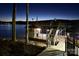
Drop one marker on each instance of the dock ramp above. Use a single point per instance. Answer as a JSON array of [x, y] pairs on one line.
[[53, 50]]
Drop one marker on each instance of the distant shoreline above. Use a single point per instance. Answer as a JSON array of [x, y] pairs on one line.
[[43, 21]]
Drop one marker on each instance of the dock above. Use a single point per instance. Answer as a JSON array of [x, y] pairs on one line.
[[53, 50]]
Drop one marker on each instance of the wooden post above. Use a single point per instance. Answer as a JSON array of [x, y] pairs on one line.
[[14, 23], [27, 24]]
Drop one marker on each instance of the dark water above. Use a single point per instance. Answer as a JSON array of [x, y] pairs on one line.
[[6, 31]]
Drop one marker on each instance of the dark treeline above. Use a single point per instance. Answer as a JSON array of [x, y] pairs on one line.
[[44, 21]]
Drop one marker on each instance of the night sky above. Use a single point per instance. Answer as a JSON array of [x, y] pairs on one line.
[[42, 11]]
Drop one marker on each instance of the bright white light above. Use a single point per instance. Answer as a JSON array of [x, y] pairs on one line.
[[47, 29], [38, 29], [68, 34]]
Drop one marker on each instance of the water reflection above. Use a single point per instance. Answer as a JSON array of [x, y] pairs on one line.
[[6, 31]]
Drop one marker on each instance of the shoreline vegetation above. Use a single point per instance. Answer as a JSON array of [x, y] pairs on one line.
[[9, 48], [24, 22]]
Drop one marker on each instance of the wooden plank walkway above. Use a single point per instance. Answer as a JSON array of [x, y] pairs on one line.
[[53, 50]]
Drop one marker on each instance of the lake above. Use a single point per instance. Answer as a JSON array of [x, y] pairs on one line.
[[6, 31]]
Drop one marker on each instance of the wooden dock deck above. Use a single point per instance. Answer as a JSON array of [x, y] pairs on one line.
[[53, 50]]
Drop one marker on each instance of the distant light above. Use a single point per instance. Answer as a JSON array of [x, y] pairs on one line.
[[47, 29], [68, 34], [38, 29]]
